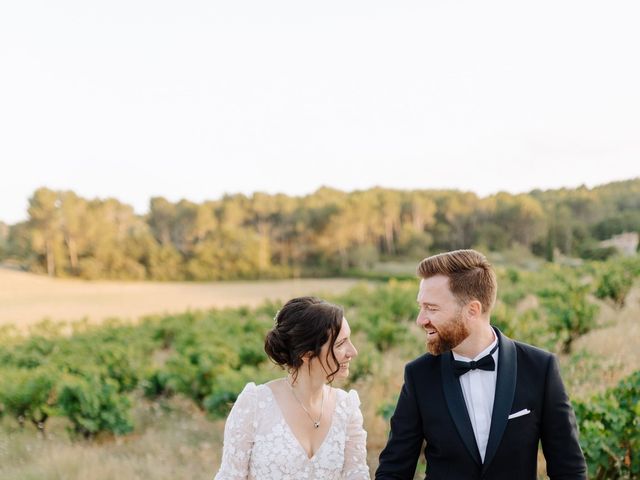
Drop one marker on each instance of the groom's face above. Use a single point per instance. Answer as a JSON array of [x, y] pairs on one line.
[[440, 315]]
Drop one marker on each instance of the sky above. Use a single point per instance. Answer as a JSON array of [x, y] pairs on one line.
[[194, 99]]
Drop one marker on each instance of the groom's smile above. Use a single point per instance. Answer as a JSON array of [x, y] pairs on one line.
[[440, 315]]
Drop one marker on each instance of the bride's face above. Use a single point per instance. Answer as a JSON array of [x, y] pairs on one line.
[[343, 350]]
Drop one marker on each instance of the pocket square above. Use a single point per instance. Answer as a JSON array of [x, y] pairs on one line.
[[525, 411]]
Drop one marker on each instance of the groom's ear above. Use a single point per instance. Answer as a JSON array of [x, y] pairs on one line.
[[474, 309]]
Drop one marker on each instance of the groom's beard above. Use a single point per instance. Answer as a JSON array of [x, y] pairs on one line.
[[448, 336]]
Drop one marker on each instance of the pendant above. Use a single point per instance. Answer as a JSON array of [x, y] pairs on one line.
[[316, 424]]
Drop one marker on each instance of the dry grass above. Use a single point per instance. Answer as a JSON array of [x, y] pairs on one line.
[[180, 443], [26, 299], [604, 356]]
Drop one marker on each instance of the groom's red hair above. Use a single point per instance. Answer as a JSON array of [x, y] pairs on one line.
[[471, 276]]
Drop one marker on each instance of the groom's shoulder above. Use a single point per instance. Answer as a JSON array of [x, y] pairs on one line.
[[531, 350], [531, 354], [426, 361], [523, 349]]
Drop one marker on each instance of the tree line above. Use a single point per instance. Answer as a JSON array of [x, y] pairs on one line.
[[328, 232]]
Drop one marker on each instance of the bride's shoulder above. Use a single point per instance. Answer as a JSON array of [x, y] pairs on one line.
[[251, 391], [253, 395], [249, 388], [350, 398], [247, 393]]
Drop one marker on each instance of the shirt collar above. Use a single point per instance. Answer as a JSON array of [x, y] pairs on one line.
[[482, 353]]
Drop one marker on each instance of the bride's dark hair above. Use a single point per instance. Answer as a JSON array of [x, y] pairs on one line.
[[303, 326]]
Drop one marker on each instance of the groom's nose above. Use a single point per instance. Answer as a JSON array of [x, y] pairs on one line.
[[421, 319]]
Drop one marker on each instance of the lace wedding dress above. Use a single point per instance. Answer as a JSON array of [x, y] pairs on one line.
[[258, 443]]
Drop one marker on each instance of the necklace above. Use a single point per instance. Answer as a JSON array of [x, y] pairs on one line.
[[316, 423]]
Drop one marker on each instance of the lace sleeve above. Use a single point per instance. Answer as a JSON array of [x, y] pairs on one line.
[[239, 432], [355, 454]]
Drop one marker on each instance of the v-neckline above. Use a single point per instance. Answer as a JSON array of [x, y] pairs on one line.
[[293, 435]]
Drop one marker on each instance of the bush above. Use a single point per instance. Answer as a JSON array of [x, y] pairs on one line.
[[594, 252], [383, 313], [610, 431], [615, 283], [569, 312], [28, 394], [210, 356], [94, 405]]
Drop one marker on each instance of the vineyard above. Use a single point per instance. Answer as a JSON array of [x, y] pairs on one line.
[[92, 384]]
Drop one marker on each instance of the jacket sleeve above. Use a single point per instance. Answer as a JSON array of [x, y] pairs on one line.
[[559, 434], [399, 458]]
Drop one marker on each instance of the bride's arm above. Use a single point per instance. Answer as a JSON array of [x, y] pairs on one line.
[[355, 449], [239, 432]]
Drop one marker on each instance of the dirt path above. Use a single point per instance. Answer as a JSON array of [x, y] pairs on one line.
[[26, 298]]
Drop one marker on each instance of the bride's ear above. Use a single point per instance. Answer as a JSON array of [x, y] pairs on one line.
[[306, 358]]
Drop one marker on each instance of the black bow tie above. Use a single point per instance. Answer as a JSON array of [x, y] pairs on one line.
[[485, 363]]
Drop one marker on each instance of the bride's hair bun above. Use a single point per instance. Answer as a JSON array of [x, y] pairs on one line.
[[303, 326], [276, 348]]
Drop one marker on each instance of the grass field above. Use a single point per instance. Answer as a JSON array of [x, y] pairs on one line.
[[174, 439], [26, 299]]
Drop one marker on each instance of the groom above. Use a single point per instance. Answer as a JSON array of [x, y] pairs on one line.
[[480, 400]]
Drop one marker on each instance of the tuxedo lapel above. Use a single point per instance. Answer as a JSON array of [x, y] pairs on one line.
[[457, 407], [505, 392]]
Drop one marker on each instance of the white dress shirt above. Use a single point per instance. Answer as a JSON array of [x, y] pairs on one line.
[[479, 390]]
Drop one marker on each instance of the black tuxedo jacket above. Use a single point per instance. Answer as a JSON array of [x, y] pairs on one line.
[[431, 407]]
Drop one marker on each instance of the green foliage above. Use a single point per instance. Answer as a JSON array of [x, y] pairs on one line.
[[27, 394], [205, 356], [118, 367], [94, 405], [32, 353], [326, 233], [511, 289], [384, 313], [524, 325], [368, 361], [592, 251], [610, 431], [165, 263], [615, 283], [104, 360], [226, 255], [569, 311], [386, 409], [628, 221], [194, 371], [632, 265], [208, 356], [155, 383], [205, 352]]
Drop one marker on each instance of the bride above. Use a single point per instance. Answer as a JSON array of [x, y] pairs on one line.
[[299, 426]]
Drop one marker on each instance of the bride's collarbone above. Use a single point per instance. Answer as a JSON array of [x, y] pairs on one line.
[[299, 422]]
